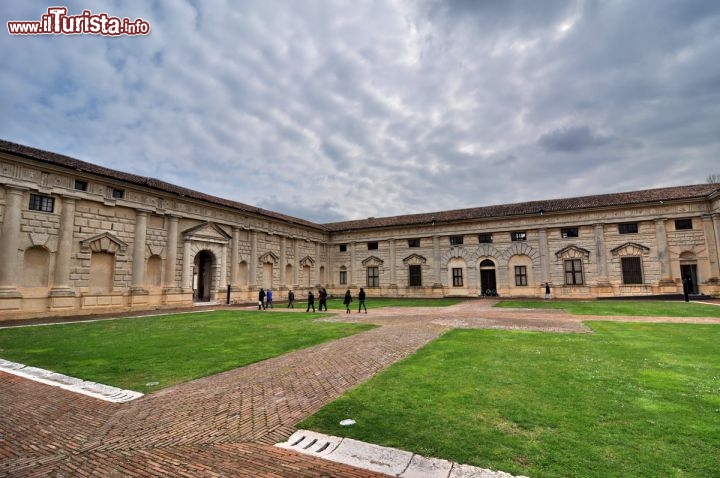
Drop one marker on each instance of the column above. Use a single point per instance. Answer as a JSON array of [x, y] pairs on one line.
[[602, 266], [222, 283], [187, 268], [663, 256], [296, 261], [711, 242], [317, 262], [10, 241], [171, 252], [234, 256], [252, 279], [544, 256], [393, 280], [436, 260], [332, 274], [716, 227], [351, 270], [61, 278], [138, 261]]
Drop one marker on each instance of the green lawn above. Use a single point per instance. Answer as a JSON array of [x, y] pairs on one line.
[[630, 400], [129, 353], [336, 303], [650, 308]]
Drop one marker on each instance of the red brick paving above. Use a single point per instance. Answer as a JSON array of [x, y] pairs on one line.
[[225, 425]]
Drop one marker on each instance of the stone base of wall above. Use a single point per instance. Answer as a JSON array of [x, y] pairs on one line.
[[26, 304], [710, 289]]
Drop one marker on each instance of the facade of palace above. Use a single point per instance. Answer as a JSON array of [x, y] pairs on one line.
[[77, 238]]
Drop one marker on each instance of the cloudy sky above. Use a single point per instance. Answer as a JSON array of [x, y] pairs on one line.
[[333, 110]]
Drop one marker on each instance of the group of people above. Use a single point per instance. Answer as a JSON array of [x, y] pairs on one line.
[[322, 298], [265, 300], [361, 301]]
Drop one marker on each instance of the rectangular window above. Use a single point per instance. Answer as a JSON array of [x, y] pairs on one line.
[[681, 224], [343, 277], [372, 246], [628, 228], [41, 203], [569, 232], [415, 275], [485, 238], [518, 236], [343, 247], [81, 185], [118, 193], [573, 272], [457, 277], [520, 275], [631, 270], [373, 277], [413, 242], [456, 240]]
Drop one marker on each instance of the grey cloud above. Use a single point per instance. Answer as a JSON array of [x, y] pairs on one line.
[[361, 109], [571, 139]]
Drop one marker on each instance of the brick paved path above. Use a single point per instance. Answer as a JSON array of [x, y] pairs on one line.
[[225, 425], [222, 425]]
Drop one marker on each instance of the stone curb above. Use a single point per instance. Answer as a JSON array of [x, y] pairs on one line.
[[389, 461], [72, 384]]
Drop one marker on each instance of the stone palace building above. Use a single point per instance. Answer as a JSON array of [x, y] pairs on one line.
[[77, 238]]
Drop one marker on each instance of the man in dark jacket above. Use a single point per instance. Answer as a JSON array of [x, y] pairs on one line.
[[361, 300], [261, 299], [311, 302]]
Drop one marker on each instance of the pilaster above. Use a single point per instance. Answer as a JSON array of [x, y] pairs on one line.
[[61, 277], [138, 260], [9, 245]]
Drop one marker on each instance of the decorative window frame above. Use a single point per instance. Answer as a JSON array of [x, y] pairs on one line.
[[414, 260], [305, 261], [104, 242], [572, 252], [630, 249], [372, 261]]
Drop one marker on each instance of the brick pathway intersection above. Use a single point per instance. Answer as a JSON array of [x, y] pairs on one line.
[[226, 424]]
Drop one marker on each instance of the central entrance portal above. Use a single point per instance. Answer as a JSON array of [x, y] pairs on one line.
[[202, 276], [688, 273], [488, 286]]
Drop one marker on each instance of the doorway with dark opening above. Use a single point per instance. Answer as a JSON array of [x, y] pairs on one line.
[[688, 274], [488, 286], [202, 276]]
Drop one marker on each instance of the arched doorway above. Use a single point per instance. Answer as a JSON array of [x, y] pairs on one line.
[[203, 276], [688, 271], [488, 285]]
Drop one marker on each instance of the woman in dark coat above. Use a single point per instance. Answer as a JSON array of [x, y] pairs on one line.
[[347, 300], [361, 299]]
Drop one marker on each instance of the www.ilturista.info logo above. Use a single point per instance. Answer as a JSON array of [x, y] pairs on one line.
[[57, 22]]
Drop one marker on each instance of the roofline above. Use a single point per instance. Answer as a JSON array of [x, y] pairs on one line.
[[432, 218], [70, 163], [464, 215]]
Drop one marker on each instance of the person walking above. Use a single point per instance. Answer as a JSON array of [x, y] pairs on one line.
[[548, 295], [268, 297], [311, 301], [347, 300], [361, 300], [322, 294], [261, 299], [291, 300]]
